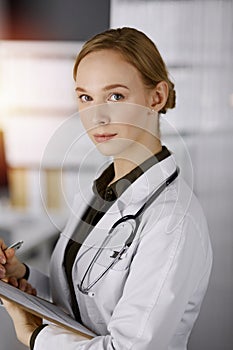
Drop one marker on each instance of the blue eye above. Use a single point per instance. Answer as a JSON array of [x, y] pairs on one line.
[[116, 97], [85, 98]]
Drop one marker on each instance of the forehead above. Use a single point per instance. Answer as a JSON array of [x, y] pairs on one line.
[[103, 54], [106, 64]]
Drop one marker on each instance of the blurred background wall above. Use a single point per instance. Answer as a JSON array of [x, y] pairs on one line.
[[43, 150]]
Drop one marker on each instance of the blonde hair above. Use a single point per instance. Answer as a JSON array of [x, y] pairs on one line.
[[138, 50]]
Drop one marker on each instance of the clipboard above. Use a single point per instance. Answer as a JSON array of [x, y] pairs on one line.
[[44, 309]]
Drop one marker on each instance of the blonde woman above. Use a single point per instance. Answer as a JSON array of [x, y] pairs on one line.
[[134, 260]]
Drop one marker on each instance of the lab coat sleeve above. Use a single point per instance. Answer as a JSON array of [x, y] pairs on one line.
[[168, 268]]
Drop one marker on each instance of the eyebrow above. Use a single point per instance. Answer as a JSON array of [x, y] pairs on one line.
[[106, 88]]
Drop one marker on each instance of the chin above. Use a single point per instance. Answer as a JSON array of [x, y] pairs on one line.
[[113, 148]]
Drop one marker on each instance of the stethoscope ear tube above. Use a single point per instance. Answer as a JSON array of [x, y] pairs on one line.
[[136, 217], [157, 192]]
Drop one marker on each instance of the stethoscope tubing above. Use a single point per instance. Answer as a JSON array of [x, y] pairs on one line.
[[89, 287], [136, 217]]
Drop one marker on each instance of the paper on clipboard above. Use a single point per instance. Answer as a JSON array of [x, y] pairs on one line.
[[43, 308]]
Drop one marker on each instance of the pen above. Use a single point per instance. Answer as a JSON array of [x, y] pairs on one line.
[[15, 245]]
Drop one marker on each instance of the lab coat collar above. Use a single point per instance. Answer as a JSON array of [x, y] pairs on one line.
[[137, 194]]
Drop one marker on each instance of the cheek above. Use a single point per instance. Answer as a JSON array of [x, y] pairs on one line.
[[85, 117], [85, 124], [131, 132], [130, 114]]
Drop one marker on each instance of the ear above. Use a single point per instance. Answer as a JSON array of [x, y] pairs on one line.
[[159, 96]]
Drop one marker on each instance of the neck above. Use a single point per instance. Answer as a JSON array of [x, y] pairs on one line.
[[123, 165]]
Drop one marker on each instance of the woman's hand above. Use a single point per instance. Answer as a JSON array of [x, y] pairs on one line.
[[22, 284], [24, 322], [10, 266]]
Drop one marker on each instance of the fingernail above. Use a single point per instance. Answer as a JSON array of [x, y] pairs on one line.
[[2, 259]]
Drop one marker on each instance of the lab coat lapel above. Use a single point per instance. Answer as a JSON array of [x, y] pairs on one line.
[[131, 200], [141, 189]]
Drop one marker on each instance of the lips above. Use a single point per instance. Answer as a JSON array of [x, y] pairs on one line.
[[103, 137]]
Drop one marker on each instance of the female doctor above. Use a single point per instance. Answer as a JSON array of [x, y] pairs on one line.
[[134, 260]]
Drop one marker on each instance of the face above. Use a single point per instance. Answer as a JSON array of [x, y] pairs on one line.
[[114, 104]]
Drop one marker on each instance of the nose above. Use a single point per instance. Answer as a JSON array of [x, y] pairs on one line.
[[100, 115]]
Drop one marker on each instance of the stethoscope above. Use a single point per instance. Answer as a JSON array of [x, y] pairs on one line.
[[130, 222]]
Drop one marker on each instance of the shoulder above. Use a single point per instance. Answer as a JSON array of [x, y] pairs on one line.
[[177, 215]]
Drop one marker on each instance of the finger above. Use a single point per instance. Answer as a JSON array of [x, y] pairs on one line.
[[23, 285], [2, 258], [7, 304], [28, 289], [13, 281], [12, 308], [2, 272], [31, 290], [2, 253], [9, 253], [34, 291]]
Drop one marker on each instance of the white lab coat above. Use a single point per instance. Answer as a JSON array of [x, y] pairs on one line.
[[151, 298]]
